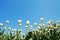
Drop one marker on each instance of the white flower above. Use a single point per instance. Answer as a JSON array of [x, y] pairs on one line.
[[27, 22], [7, 21], [35, 24], [38, 28], [48, 22], [30, 26], [13, 30], [19, 21], [1, 24], [51, 21], [9, 28], [42, 25], [41, 19], [26, 26], [20, 24]]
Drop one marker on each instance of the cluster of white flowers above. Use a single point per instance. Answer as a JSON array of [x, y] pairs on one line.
[[31, 27]]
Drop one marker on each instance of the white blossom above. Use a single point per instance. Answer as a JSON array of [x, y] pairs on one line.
[[41, 19], [48, 22], [19, 21], [7, 21], [26, 26], [30, 26], [20, 24], [1, 24], [27, 22], [9, 28], [42, 25], [35, 24], [38, 28], [51, 21]]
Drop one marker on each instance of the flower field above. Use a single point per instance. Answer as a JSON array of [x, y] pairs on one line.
[[49, 31]]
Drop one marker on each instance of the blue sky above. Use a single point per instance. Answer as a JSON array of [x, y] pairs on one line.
[[31, 10]]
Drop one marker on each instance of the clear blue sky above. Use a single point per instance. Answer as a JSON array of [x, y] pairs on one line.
[[28, 10]]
